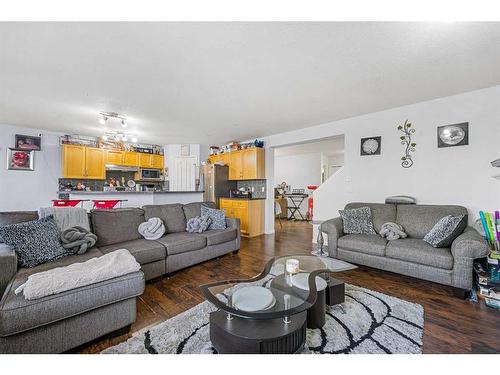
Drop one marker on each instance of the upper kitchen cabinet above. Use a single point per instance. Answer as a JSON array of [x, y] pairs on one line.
[[83, 162], [157, 161], [73, 161], [235, 165], [94, 163], [114, 157], [151, 161], [131, 159], [253, 164], [247, 164]]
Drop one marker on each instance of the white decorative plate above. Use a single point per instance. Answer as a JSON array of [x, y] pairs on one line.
[[301, 281], [253, 298]]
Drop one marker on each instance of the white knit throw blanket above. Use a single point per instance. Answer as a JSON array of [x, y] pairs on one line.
[[76, 275]]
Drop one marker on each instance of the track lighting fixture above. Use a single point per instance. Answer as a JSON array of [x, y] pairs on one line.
[[116, 135]]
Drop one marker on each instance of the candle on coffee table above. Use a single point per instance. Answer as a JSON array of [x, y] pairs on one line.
[[292, 266]]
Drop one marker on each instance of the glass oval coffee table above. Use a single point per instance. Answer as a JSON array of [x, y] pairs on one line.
[[270, 312]]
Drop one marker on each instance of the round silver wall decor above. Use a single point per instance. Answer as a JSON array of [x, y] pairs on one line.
[[453, 135]]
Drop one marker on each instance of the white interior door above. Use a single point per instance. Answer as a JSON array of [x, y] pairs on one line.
[[183, 177]]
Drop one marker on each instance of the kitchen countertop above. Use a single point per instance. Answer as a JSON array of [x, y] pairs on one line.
[[126, 192]]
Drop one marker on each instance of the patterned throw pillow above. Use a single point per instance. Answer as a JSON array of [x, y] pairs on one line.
[[357, 221], [35, 242], [218, 217], [444, 232]]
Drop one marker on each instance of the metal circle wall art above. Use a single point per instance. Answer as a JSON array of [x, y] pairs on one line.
[[407, 142]]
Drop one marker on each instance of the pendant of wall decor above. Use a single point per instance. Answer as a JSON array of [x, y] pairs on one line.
[[406, 140]]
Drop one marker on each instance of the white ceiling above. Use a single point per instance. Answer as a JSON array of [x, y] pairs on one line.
[[330, 146], [214, 82]]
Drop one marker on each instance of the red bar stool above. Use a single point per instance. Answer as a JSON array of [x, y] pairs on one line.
[[108, 204], [68, 202]]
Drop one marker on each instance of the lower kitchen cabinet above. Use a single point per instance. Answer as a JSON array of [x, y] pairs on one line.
[[249, 211]]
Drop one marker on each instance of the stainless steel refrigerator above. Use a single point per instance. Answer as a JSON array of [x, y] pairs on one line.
[[215, 182]]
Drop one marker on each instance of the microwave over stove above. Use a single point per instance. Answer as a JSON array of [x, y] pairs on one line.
[[150, 174]]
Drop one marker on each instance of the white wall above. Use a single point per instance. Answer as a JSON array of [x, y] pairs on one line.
[[26, 190], [298, 171], [459, 175]]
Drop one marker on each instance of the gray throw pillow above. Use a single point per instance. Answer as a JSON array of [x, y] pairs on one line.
[[357, 221], [218, 217], [35, 242], [444, 232]]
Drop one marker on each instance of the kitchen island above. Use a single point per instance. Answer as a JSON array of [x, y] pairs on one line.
[[136, 198]]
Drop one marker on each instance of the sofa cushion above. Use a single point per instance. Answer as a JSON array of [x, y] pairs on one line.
[[116, 225], [381, 213], [194, 209], [35, 242], [177, 243], [218, 217], [172, 216], [417, 251], [446, 230], [371, 244], [418, 220], [144, 251], [357, 220], [217, 236], [18, 314], [16, 217]]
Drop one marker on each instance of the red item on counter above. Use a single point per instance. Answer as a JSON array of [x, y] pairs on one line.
[[106, 204], [66, 202]]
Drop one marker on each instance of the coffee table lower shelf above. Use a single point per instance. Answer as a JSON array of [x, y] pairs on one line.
[[257, 336]]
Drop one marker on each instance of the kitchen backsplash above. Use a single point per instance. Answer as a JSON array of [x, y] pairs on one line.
[[97, 185], [259, 187]]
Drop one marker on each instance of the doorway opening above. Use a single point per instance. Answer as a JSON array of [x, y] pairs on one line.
[[299, 169]]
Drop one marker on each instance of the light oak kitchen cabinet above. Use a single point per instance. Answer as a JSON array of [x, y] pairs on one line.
[[114, 157], [247, 164], [249, 211], [131, 159], [151, 161], [83, 162]]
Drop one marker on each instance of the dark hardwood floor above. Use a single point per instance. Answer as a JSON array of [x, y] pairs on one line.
[[451, 325]]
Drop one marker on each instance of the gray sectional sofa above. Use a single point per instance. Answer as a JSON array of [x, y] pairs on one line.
[[64, 321], [409, 256]]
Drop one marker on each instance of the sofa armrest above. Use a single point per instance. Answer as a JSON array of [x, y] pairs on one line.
[[8, 266], [234, 223], [470, 244], [334, 228]]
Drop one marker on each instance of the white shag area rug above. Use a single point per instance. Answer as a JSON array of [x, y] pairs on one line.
[[370, 322]]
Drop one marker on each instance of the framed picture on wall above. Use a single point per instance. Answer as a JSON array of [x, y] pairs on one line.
[[371, 146], [20, 160], [453, 135], [28, 142]]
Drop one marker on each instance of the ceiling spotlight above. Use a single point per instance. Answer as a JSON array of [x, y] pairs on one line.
[[105, 137], [103, 120], [134, 139], [124, 124]]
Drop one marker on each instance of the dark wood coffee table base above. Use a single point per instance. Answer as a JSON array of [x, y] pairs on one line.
[[257, 336]]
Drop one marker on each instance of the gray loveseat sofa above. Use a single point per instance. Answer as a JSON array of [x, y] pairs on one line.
[[409, 256], [60, 322]]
